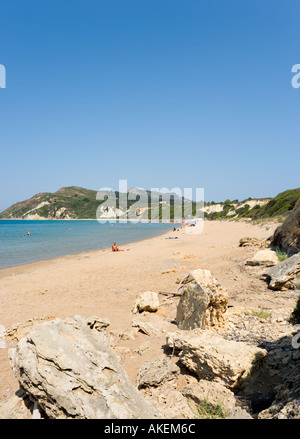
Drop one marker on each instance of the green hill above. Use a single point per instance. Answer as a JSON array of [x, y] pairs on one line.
[[255, 209], [66, 203], [78, 203], [282, 204]]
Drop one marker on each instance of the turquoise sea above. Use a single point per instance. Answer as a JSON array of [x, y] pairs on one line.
[[49, 239]]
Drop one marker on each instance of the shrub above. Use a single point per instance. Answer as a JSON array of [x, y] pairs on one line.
[[282, 256], [206, 410]]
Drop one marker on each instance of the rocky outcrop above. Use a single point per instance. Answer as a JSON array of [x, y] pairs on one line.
[[69, 369], [202, 303], [19, 330], [285, 275], [214, 358], [287, 236], [191, 310], [157, 380], [250, 242]]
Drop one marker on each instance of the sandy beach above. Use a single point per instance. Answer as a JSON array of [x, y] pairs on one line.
[[106, 284]]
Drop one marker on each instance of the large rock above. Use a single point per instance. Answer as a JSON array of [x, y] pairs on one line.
[[285, 275], [147, 301], [192, 306], [169, 402], [157, 371], [287, 236], [151, 324], [250, 242], [202, 303], [263, 258], [214, 358], [69, 368], [209, 392]]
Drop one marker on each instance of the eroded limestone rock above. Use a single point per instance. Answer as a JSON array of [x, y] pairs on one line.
[[202, 303], [69, 368]]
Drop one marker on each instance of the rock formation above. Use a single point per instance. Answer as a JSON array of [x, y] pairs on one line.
[[214, 358], [147, 301], [263, 258], [250, 242], [203, 301], [69, 369], [210, 392], [285, 275], [157, 371]]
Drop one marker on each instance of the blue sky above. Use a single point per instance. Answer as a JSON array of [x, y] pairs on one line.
[[160, 93]]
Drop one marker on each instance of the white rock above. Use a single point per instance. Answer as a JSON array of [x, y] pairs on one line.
[[214, 358], [203, 301], [69, 368], [147, 301], [265, 258]]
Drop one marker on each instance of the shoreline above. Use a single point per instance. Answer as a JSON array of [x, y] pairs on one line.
[[76, 253]]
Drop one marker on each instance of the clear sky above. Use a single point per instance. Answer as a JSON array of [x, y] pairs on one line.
[[162, 93]]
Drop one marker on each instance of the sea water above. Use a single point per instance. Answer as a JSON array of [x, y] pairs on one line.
[[25, 241]]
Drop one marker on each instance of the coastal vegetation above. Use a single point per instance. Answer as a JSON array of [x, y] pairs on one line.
[[282, 255], [255, 209]]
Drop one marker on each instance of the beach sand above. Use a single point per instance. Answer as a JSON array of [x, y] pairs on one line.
[[106, 284]]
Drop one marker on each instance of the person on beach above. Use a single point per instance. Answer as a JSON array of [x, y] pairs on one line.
[[115, 248]]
